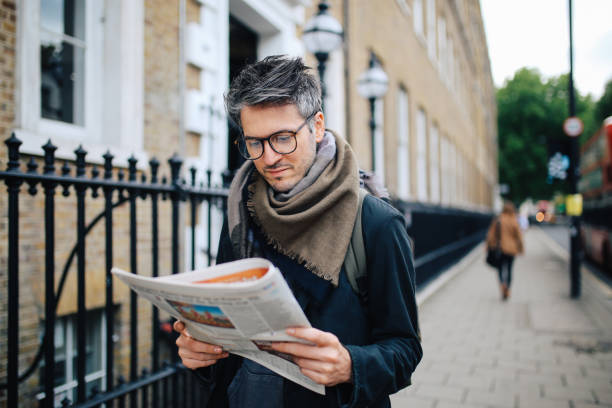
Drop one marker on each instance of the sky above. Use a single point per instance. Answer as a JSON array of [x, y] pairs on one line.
[[535, 34]]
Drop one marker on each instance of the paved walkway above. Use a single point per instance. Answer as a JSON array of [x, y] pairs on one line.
[[538, 349]]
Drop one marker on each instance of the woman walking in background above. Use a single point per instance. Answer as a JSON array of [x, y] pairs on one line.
[[506, 230]]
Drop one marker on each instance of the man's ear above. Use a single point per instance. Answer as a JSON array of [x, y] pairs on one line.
[[319, 126]]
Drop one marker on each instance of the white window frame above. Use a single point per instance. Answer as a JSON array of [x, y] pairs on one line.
[[451, 65], [431, 29], [417, 7], [70, 352], [442, 48], [434, 164], [114, 84], [403, 144], [421, 135]]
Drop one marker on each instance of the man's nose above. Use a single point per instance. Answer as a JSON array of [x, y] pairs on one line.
[[270, 157]]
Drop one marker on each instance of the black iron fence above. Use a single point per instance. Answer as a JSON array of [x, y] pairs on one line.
[[441, 237], [160, 384]]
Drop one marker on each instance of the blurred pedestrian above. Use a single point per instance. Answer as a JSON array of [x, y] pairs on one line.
[[505, 233], [523, 221]]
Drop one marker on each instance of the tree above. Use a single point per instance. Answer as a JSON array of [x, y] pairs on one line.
[[530, 118], [603, 107]]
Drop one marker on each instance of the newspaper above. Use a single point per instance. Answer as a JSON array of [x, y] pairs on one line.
[[241, 306]]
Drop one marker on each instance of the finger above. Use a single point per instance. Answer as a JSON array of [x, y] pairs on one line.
[[321, 367], [178, 326], [313, 335], [194, 364], [192, 355], [189, 343], [299, 350]]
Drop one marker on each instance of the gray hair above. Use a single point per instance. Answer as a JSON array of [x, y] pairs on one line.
[[275, 81]]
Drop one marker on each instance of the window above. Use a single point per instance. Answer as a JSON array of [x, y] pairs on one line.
[[418, 16], [451, 68], [442, 57], [62, 60], [79, 77], [403, 149], [434, 163], [421, 131], [65, 380], [431, 29]]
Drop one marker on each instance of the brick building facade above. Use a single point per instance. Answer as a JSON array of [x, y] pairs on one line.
[[150, 84]]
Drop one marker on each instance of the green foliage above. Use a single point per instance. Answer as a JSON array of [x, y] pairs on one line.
[[603, 107], [530, 115]]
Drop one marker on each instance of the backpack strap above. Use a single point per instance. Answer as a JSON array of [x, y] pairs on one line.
[[355, 258]]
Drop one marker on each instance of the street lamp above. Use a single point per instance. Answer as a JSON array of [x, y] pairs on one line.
[[372, 84], [322, 35]]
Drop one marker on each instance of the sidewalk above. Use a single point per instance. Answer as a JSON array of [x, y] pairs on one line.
[[538, 349]]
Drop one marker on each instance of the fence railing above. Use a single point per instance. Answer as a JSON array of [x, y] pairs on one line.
[[160, 383], [148, 387]]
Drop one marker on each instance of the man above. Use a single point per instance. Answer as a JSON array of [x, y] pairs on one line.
[[295, 202]]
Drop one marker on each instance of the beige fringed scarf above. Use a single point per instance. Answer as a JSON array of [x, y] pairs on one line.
[[312, 227]]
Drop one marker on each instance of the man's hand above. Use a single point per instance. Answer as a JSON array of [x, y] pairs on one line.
[[195, 353], [327, 362]]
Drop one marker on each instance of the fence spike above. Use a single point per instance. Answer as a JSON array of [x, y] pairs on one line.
[[132, 167], [32, 167], [120, 177], [143, 180], [49, 149], [66, 173], [94, 175], [175, 167], [154, 164], [108, 165], [193, 170], [13, 152], [80, 161], [164, 182]]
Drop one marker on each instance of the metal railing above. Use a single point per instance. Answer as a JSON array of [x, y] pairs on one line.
[[151, 386], [160, 384]]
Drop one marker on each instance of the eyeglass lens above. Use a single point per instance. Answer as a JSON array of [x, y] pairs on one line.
[[282, 143]]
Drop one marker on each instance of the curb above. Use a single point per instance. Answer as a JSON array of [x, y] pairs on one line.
[[446, 276]]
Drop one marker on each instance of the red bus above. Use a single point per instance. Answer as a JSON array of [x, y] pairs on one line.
[[596, 188]]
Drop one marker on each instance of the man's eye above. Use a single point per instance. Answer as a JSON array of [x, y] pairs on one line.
[[283, 138], [253, 144]]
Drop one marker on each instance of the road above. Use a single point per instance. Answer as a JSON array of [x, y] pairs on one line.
[[560, 234]]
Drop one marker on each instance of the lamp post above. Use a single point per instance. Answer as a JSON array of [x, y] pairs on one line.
[[372, 84], [574, 176], [322, 35]]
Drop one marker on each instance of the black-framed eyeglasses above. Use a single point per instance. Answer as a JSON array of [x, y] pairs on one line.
[[282, 142]]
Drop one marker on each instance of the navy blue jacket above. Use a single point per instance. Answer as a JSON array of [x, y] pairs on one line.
[[380, 333]]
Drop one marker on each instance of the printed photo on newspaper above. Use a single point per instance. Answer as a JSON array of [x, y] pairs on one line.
[[241, 306]]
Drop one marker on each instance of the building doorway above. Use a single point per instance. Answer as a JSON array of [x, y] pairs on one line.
[[242, 51]]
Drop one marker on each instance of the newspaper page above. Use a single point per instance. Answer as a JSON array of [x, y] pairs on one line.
[[241, 306]]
